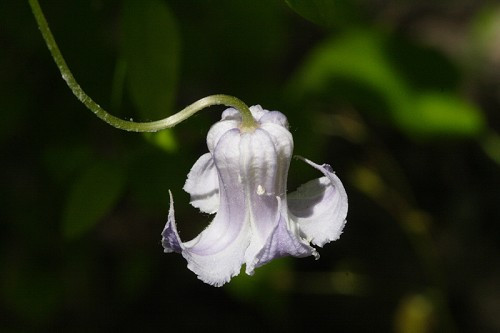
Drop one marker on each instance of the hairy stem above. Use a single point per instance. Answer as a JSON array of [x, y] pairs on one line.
[[247, 120]]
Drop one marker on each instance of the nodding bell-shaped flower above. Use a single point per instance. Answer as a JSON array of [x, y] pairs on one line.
[[243, 180]]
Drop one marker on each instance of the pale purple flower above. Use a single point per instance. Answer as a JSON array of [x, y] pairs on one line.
[[243, 180]]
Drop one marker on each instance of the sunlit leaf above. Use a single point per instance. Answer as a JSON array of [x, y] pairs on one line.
[[365, 70], [439, 114], [357, 57], [164, 140], [93, 195]]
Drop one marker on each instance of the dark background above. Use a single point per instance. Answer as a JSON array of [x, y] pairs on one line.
[[401, 97]]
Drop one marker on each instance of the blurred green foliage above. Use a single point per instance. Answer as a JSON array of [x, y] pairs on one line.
[[369, 68], [93, 194], [401, 98], [328, 13], [151, 54]]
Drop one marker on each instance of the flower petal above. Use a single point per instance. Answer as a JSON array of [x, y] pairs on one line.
[[259, 173], [218, 130], [231, 114], [170, 237], [283, 241], [259, 170], [257, 111], [202, 184], [283, 143], [217, 253], [320, 206], [213, 266], [274, 117]]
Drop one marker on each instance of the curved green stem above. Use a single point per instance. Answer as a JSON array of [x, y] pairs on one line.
[[248, 122]]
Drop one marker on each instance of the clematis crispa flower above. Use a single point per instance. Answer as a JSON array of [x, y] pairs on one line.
[[243, 180]]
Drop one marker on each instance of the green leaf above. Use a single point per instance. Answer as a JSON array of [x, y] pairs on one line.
[[440, 114], [422, 66], [92, 196], [357, 59], [326, 12], [490, 143], [364, 69], [151, 53], [164, 140]]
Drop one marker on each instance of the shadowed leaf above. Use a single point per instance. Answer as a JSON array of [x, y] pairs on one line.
[[151, 55], [93, 195], [326, 12], [151, 52]]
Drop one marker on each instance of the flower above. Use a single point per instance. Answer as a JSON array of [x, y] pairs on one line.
[[243, 180]]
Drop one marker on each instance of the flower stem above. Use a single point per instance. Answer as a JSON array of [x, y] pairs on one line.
[[248, 121]]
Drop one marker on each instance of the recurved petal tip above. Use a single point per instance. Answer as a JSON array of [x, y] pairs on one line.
[[320, 206]]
